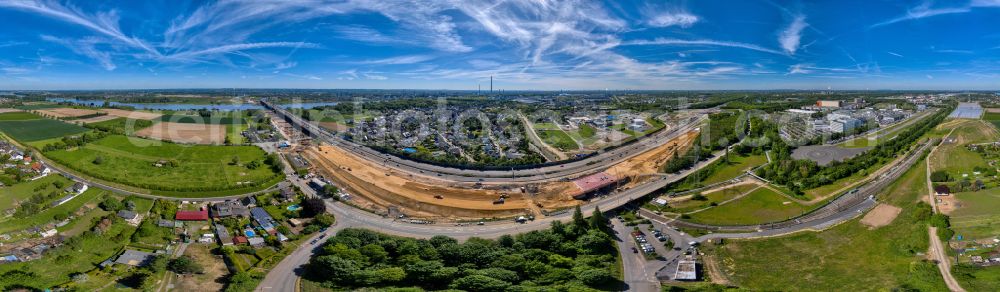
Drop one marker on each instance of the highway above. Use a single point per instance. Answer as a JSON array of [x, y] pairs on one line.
[[568, 170], [283, 277]]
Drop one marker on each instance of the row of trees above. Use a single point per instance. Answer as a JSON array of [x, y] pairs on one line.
[[568, 257]]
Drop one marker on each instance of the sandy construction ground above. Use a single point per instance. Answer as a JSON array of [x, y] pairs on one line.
[[378, 187], [992, 110], [412, 195], [8, 110], [135, 115], [637, 169], [882, 215], [97, 119], [66, 112], [333, 126], [185, 133]]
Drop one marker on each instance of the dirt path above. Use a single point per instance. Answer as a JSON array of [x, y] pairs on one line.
[[714, 272], [547, 150], [936, 249]]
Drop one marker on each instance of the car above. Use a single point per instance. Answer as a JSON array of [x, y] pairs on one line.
[[634, 250], [313, 241], [661, 239], [323, 229], [481, 223], [321, 236]]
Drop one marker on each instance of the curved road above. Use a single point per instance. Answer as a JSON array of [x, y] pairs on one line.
[[566, 170], [284, 276]]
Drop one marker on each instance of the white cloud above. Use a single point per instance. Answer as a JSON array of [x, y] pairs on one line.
[[285, 65], [790, 38], [682, 19], [237, 47], [922, 11], [894, 54], [371, 76], [86, 47], [105, 23], [400, 60], [701, 42], [985, 3], [798, 69]]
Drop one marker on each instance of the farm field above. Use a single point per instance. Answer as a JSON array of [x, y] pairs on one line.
[[760, 206], [122, 125], [18, 116], [829, 260], [218, 119], [187, 133], [976, 278], [65, 112], [137, 115], [978, 214], [131, 162], [38, 129]]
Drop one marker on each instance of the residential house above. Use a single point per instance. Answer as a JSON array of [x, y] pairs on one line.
[[200, 215], [229, 209], [264, 220], [256, 241], [131, 217], [223, 234], [135, 258]]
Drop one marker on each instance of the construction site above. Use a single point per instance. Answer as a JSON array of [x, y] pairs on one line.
[[383, 189]]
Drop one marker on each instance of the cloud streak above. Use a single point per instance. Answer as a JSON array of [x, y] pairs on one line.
[[790, 38], [701, 42]]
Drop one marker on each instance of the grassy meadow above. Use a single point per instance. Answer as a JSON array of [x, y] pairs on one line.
[[199, 168], [847, 257]]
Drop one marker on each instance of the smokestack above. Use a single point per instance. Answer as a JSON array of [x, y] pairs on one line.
[[491, 84]]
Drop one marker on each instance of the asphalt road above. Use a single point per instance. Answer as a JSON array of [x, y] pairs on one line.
[[567, 170]]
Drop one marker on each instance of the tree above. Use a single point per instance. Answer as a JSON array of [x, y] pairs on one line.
[[99, 160], [375, 253], [333, 267], [111, 204], [184, 265], [479, 283], [597, 220], [330, 190], [312, 207], [578, 219], [235, 161], [594, 277]]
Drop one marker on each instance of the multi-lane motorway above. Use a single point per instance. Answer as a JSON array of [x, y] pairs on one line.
[[284, 276], [568, 170]]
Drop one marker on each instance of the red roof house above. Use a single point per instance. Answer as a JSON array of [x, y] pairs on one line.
[[201, 215], [240, 240]]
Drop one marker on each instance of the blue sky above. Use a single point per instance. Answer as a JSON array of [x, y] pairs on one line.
[[524, 44]]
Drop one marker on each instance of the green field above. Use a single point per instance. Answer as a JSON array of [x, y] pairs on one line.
[[552, 135], [712, 197], [47, 215], [991, 116], [18, 116], [976, 278], [24, 190], [760, 206], [234, 133], [847, 257], [955, 158], [39, 129], [978, 215], [200, 168], [124, 126], [737, 165]]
